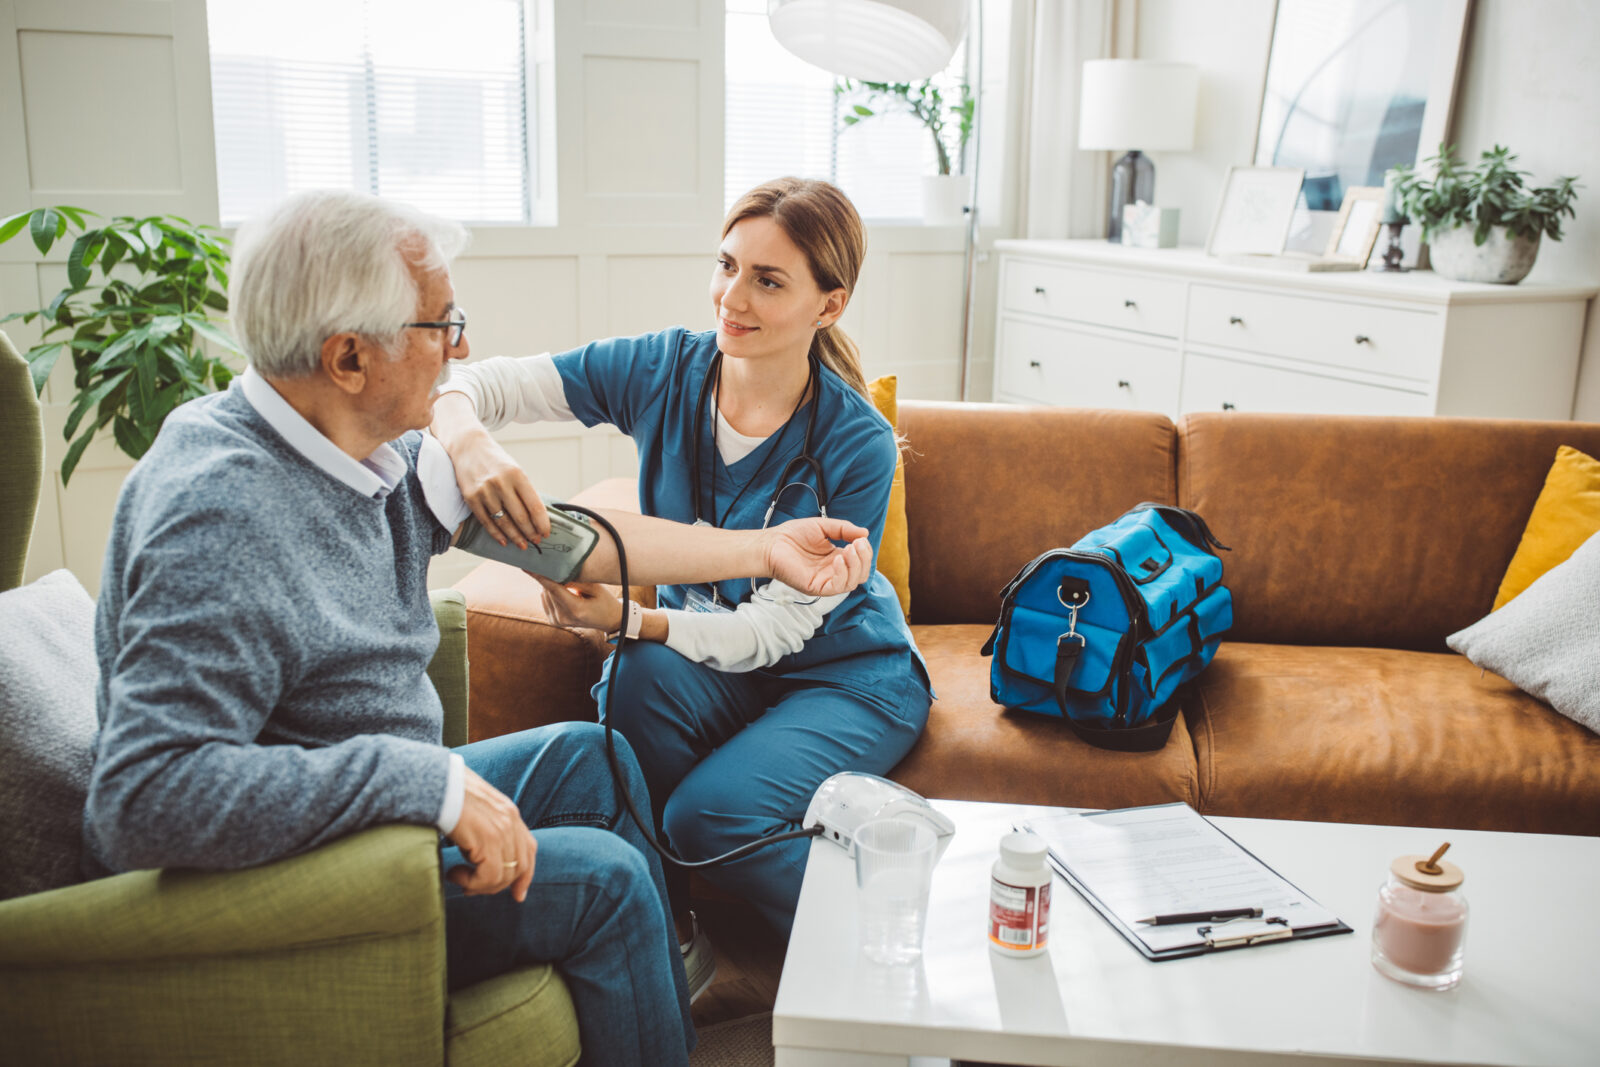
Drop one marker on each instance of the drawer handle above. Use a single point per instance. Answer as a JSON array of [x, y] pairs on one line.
[[1038, 290], [1129, 304], [1363, 339], [1123, 383], [1033, 363], [1234, 320], [1227, 405]]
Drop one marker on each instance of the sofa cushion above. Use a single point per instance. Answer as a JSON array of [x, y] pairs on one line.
[[1566, 515], [524, 1017], [1387, 736], [990, 486], [975, 750], [1362, 531], [47, 727], [1546, 642]]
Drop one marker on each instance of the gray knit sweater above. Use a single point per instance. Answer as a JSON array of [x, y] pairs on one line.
[[263, 632]]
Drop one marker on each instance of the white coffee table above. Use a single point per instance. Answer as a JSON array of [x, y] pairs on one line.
[[1531, 993]]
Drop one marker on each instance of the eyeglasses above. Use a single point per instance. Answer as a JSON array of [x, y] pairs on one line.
[[457, 325]]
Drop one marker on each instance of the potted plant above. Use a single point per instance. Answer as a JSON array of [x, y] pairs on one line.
[[1481, 223], [949, 124], [134, 315]]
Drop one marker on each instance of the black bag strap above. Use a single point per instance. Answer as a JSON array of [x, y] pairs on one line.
[[1146, 737]]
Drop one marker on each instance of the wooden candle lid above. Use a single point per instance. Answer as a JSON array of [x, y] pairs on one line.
[[1428, 873]]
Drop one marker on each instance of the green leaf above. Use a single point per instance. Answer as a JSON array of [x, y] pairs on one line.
[[41, 361], [150, 234], [76, 214], [75, 453], [80, 257], [9, 228], [863, 111], [205, 329], [134, 440], [221, 374], [88, 399], [142, 388], [45, 226]]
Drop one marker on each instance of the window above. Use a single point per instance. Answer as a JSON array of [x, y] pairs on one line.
[[783, 118], [419, 101]]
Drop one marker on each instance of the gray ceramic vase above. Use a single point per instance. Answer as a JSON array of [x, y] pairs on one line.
[[1502, 259]]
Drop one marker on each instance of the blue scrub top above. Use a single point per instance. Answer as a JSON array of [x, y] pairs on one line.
[[648, 387]]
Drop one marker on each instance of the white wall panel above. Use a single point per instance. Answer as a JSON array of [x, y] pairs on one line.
[[640, 127], [927, 325], [680, 14], [519, 306], [649, 293], [118, 96]]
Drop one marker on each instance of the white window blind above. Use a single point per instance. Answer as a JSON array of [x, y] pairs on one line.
[[783, 119], [417, 101]]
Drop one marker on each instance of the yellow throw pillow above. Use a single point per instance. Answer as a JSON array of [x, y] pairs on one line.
[[894, 554], [1566, 515]]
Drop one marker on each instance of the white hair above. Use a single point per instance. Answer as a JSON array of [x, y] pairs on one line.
[[331, 261]]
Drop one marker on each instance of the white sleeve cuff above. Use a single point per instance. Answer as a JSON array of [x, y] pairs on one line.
[[455, 795], [437, 475], [774, 623], [512, 389]]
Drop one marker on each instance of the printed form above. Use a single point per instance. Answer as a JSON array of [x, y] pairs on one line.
[[1167, 860]]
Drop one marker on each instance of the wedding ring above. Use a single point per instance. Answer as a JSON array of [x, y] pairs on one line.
[[498, 515], [511, 863]]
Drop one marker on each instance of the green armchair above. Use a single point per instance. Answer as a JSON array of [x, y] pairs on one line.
[[335, 956]]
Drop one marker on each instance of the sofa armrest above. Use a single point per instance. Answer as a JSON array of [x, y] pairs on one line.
[[379, 883], [449, 668]]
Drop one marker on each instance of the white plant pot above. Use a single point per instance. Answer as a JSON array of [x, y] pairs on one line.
[[944, 198], [1502, 259]]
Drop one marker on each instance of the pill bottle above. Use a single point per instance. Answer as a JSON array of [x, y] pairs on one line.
[[1019, 897], [1420, 925]]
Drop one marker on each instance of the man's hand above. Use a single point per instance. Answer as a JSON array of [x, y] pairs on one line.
[[801, 554], [580, 604], [497, 490], [492, 835]]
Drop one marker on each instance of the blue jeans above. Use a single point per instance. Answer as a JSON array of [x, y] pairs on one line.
[[730, 758], [597, 908]]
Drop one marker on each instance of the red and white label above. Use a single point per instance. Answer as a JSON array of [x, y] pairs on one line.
[[1019, 917]]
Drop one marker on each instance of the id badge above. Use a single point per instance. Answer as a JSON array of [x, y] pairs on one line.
[[695, 600]]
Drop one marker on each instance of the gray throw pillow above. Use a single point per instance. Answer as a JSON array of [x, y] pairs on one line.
[[47, 726], [1546, 642]]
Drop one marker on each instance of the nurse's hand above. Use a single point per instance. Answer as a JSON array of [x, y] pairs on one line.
[[801, 554], [580, 604], [498, 491]]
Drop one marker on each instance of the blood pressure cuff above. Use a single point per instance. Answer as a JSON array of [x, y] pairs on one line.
[[1102, 634], [559, 557]]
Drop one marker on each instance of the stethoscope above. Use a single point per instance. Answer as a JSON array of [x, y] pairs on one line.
[[788, 479]]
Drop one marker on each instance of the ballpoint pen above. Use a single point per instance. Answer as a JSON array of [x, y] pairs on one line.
[[1203, 916]]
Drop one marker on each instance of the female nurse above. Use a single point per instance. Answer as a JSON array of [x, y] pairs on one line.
[[740, 699]]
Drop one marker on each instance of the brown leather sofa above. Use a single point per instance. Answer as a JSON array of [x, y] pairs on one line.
[[1357, 543]]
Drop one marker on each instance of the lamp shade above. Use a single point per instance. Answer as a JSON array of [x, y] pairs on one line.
[[871, 40], [1145, 104]]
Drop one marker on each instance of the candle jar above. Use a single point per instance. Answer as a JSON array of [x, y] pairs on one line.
[[1421, 923]]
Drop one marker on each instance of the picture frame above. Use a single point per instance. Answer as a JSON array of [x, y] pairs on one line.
[[1254, 210], [1355, 231]]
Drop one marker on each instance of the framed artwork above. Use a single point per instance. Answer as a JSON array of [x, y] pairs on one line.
[[1255, 210], [1353, 88], [1356, 229]]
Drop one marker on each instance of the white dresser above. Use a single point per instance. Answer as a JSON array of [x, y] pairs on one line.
[[1092, 324]]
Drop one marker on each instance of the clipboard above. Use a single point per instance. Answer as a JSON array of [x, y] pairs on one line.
[[1302, 917]]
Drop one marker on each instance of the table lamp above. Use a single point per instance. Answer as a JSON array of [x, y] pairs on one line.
[[1144, 102]]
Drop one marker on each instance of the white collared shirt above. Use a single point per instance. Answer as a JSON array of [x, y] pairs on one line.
[[375, 477]]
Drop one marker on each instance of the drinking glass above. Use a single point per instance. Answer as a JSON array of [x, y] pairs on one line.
[[894, 872]]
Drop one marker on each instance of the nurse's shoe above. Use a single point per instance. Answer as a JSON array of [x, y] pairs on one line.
[[699, 960]]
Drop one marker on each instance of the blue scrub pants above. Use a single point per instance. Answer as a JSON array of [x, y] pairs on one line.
[[597, 908], [733, 757]]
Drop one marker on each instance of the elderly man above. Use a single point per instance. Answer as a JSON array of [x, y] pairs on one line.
[[263, 631]]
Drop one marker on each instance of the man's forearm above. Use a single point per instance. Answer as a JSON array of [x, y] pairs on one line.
[[662, 552]]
